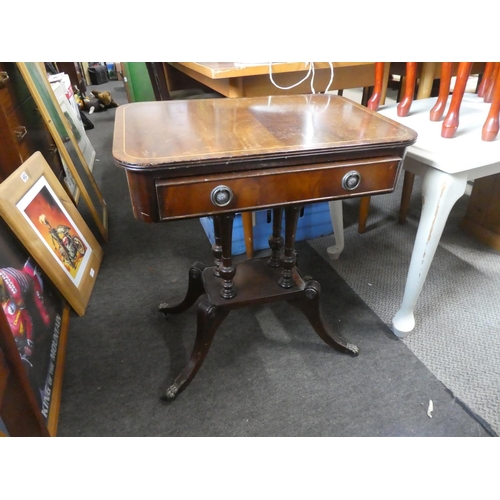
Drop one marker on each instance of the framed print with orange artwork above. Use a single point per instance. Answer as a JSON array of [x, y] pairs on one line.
[[39, 211]]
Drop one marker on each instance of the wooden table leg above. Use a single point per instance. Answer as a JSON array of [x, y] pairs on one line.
[[209, 319], [227, 269], [364, 208], [217, 246], [259, 281], [194, 292], [309, 301], [276, 240], [246, 221], [309, 304], [289, 257]]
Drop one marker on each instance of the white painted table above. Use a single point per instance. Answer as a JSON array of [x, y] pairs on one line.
[[445, 165]]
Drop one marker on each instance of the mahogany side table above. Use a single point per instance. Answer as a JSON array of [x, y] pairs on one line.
[[216, 157]]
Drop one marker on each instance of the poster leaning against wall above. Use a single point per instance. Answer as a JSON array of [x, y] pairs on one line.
[[37, 317]]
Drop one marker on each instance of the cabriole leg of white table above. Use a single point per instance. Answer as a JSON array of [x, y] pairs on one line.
[[335, 207], [440, 191]]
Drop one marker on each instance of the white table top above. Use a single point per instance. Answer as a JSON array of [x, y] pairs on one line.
[[465, 151]]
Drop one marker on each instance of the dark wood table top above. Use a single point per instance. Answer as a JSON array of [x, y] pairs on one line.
[[260, 132]]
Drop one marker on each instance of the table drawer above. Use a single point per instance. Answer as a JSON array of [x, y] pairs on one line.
[[205, 195]]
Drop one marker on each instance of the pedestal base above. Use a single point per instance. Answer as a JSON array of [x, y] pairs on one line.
[[256, 283]]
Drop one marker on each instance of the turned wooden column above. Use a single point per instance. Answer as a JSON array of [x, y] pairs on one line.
[[289, 257], [227, 270], [217, 246], [276, 240]]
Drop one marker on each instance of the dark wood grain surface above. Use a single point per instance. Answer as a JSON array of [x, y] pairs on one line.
[[269, 150], [152, 134]]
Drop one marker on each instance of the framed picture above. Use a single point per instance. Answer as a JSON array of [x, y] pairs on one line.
[[40, 213], [33, 332], [62, 132]]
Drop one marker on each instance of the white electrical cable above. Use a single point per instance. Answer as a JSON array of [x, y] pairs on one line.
[[331, 77], [311, 65], [312, 79], [310, 72]]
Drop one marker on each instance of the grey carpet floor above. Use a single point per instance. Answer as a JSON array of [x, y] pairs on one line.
[[267, 373], [457, 333]]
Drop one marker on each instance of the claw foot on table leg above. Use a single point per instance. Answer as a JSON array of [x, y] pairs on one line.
[[195, 290], [351, 349], [309, 304], [209, 318], [171, 392]]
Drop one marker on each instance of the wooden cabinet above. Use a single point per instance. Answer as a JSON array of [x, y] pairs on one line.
[[22, 129], [482, 218]]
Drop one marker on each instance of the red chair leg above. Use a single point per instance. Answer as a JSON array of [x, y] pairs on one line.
[[374, 101], [411, 77], [491, 126], [450, 123], [485, 82], [437, 111], [488, 91]]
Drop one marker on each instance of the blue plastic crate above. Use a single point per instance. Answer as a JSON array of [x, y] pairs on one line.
[[314, 222]]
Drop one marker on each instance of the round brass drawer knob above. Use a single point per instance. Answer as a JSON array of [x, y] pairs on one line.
[[221, 196], [351, 180]]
